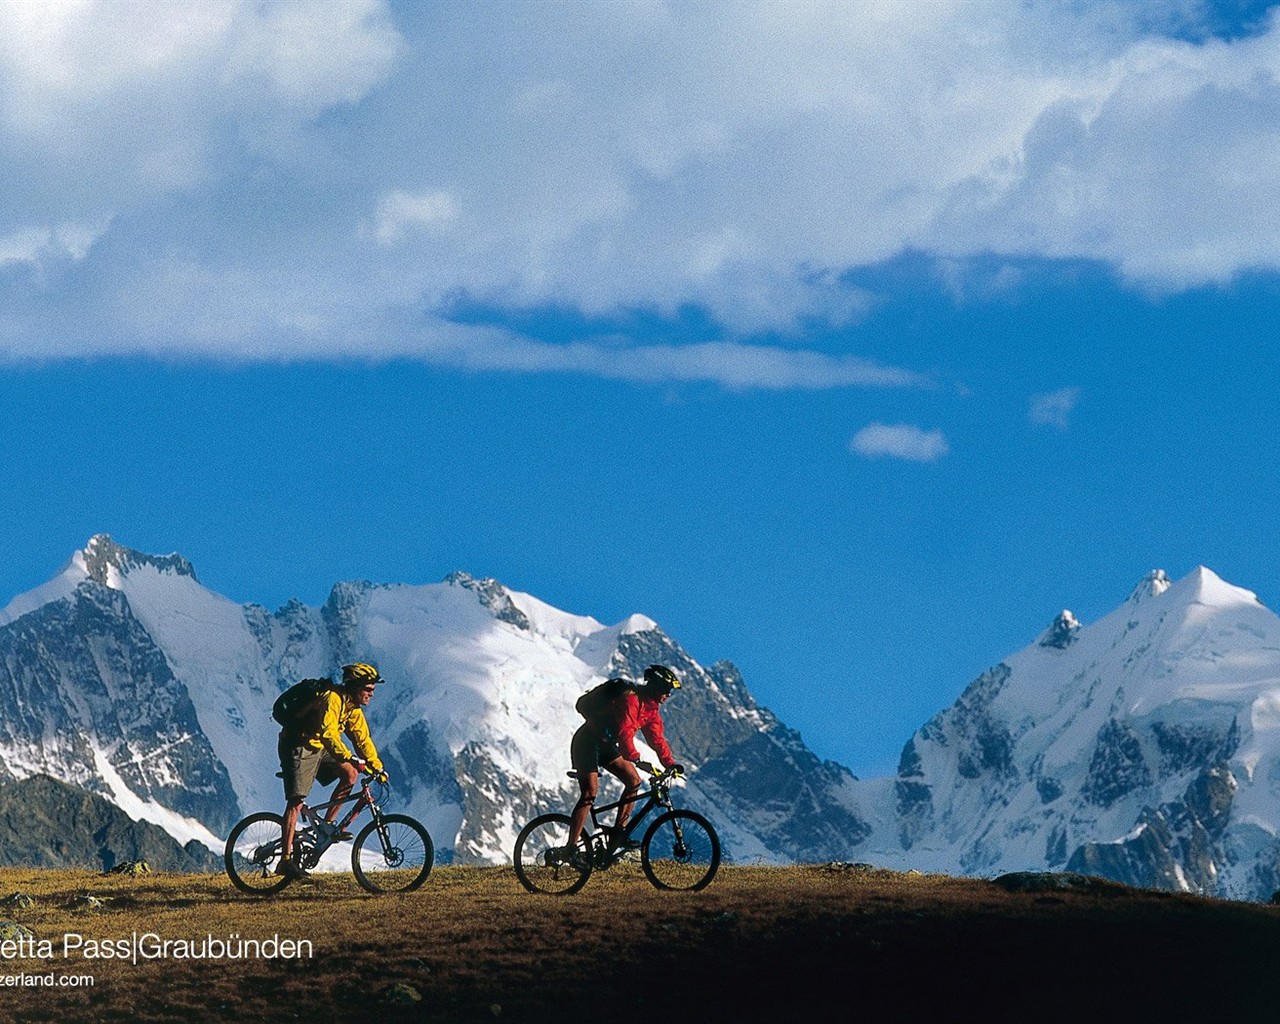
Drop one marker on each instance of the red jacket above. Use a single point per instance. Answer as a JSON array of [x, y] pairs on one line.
[[640, 714]]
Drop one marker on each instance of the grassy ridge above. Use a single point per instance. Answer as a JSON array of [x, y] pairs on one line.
[[776, 944]]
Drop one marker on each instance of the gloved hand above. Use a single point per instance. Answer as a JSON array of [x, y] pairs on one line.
[[677, 769], [645, 766]]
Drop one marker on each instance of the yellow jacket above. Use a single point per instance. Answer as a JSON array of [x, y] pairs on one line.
[[342, 715]]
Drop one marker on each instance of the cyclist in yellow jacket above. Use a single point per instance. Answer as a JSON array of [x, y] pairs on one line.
[[314, 751]]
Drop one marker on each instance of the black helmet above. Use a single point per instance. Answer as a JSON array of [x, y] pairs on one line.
[[661, 679]]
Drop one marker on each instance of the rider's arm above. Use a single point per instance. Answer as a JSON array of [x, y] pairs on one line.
[[358, 730], [639, 718], [331, 729], [653, 732], [628, 719]]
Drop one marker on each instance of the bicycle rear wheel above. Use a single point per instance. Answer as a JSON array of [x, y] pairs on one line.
[[392, 854], [680, 851], [253, 853], [543, 862]]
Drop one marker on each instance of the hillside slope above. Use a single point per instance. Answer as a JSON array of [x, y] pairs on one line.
[[760, 945]]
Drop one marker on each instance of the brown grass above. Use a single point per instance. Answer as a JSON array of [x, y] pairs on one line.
[[775, 944]]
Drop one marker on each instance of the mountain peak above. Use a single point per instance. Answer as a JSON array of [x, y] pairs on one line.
[[102, 556], [1153, 584], [493, 595], [1061, 632], [1205, 586], [1200, 586]]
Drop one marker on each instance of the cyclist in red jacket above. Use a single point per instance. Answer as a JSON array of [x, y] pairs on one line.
[[607, 739]]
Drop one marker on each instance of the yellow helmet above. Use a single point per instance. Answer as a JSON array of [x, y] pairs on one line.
[[360, 674]]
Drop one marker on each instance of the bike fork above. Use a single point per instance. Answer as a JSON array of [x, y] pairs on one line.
[[679, 849]]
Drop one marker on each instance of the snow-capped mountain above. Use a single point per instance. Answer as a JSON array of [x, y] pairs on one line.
[[123, 675], [1144, 747]]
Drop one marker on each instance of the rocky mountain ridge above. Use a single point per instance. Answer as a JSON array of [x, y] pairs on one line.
[[47, 823], [124, 676], [1144, 747]]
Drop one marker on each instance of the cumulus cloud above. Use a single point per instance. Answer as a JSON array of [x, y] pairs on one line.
[[899, 441], [1054, 409], [118, 104], [293, 177]]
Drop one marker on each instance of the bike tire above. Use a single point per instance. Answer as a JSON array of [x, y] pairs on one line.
[[406, 865], [680, 851], [539, 861], [253, 852]]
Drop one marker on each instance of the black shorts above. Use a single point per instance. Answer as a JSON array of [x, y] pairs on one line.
[[303, 766], [589, 749]]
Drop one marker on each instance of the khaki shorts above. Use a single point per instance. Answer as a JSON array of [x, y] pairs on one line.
[[303, 766]]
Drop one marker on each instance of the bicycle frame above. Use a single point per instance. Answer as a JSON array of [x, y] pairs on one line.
[[658, 795], [391, 853], [680, 849], [325, 833]]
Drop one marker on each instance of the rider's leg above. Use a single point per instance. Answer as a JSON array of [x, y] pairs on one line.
[[291, 812], [584, 755], [347, 776], [298, 765], [588, 783], [630, 778]]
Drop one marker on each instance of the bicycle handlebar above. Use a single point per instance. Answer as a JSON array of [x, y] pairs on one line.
[[368, 779], [655, 777], [658, 777], [367, 773]]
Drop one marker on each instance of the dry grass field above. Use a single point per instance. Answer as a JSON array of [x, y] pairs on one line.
[[761, 944]]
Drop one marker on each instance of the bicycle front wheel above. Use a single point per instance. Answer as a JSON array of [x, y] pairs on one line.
[[680, 851], [393, 853], [543, 861], [253, 854]]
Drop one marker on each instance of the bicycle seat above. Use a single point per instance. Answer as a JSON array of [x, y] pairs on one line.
[[572, 774]]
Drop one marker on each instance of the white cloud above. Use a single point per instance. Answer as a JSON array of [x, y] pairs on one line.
[[400, 212], [72, 58], [1054, 409], [118, 103], [899, 441], [345, 170], [731, 365], [40, 245]]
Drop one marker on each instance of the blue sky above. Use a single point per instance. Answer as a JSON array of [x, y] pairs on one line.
[[849, 342]]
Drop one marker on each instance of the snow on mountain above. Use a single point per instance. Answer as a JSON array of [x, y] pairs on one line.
[[1144, 747], [127, 677]]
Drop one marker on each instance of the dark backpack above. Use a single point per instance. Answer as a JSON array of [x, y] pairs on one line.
[[301, 701], [594, 704]]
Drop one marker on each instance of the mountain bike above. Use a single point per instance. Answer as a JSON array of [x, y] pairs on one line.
[[392, 853], [680, 849]]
